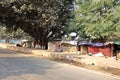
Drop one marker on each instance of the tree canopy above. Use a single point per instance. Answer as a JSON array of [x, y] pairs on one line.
[[42, 19], [97, 18]]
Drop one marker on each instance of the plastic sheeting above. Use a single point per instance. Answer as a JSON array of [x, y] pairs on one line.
[[106, 50], [91, 44]]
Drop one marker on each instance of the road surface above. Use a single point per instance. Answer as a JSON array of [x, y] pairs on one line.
[[17, 66]]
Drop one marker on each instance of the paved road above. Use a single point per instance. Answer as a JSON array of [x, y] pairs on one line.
[[17, 66]]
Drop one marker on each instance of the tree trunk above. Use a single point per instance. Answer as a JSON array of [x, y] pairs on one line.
[[45, 43]]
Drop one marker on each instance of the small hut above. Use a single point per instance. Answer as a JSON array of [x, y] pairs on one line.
[[69, 46]]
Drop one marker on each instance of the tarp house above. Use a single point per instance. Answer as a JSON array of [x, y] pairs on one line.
[[69, 46], [95, 48]]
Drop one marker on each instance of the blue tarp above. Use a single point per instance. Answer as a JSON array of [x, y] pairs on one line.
[[91, 44], [98, 44]]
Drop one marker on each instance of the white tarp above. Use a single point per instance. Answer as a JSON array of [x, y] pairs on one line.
[[70, 42]]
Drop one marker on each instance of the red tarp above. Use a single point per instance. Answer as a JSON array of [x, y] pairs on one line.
[[106, 50]]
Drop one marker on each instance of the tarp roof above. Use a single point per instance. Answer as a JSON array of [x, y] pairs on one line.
[[70, 42], [91, 44]]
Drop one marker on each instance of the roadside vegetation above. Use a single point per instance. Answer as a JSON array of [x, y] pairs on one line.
[[46, 20]]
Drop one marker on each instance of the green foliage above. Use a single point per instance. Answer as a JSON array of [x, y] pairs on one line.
[[19, 34], [42, 19], [98, 18]]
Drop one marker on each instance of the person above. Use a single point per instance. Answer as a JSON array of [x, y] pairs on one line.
[[59, 48]]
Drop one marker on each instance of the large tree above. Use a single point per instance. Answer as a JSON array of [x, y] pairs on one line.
[[97, 18], [42, 19]]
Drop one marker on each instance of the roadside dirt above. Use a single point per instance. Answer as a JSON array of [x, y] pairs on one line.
[[113, 71], [110, 70]]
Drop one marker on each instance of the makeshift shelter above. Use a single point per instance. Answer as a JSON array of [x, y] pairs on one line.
[[64, 46], [99, 46], [69, 46], [54, 46], [96, 48]]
